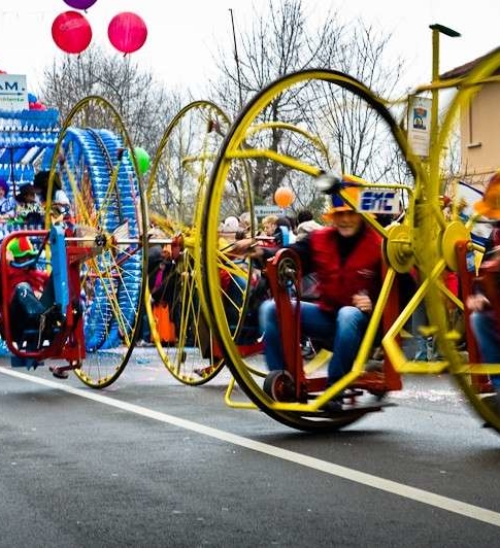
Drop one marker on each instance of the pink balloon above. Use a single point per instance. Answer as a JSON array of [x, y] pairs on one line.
[[71, 32], [127, 32], [80, 4]]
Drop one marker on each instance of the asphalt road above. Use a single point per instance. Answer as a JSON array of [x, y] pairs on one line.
[[150, 462]]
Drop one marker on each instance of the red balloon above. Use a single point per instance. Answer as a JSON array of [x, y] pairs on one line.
[[127, 32], [71, 32]]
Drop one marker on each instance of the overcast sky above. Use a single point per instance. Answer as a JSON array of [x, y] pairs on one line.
[[183, 34]]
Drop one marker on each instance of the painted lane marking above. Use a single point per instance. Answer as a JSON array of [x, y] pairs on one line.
[[419, 495]]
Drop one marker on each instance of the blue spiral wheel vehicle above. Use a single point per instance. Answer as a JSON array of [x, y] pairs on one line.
[[97, 171]]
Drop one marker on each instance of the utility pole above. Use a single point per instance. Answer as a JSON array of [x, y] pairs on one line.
[[237, 60]]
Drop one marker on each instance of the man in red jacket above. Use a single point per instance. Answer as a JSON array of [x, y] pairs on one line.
[[346, 259]]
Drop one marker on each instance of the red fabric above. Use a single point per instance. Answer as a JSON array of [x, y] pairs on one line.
[[451, 281], [337, 283], [268, 243], [225, 279], [36, 278]]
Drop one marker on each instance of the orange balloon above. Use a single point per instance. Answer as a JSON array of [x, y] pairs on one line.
[[284, 196]]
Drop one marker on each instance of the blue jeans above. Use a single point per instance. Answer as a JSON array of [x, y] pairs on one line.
[[344, 331], [485, 331]]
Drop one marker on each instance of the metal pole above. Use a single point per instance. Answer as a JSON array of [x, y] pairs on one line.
[[434, 154], [236, 58]]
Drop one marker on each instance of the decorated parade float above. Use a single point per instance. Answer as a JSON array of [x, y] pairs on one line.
[[91, 248]]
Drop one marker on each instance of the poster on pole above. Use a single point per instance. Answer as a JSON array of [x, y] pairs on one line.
[[419, 125], [13, 92]]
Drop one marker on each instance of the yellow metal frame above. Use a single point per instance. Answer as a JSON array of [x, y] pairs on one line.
[[240, 152], [426, 243]]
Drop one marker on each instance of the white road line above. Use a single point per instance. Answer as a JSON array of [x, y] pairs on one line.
[[393, 487]]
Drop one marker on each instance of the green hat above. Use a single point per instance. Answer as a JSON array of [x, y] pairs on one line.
[[21, 247]]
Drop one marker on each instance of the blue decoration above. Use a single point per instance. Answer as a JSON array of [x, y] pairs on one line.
[[26, 136]]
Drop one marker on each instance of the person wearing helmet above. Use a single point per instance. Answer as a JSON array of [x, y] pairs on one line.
[[484, 320], [346, 258]]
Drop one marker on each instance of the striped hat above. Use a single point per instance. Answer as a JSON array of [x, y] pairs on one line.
[[338, 204]]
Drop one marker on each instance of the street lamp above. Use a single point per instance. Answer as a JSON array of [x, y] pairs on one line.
[[433, 153]]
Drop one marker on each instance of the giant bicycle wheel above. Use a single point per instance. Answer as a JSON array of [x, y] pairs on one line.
[[449, 232], [329, 99], [176, 191], [101, 179]]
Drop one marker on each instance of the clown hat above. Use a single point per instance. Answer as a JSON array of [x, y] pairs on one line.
[[338, 204], [489, 205], [21, 247]]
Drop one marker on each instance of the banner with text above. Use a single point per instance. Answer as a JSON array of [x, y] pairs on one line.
[[13, 92]]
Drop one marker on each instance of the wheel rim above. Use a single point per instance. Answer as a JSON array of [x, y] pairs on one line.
[[447, 340], [102, 182], [236, 146], [176, 190]]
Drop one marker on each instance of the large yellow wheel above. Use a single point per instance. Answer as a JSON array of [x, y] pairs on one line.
[[320, 93], [108, 213], [426, 241], [176, 191], [448, 232]]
